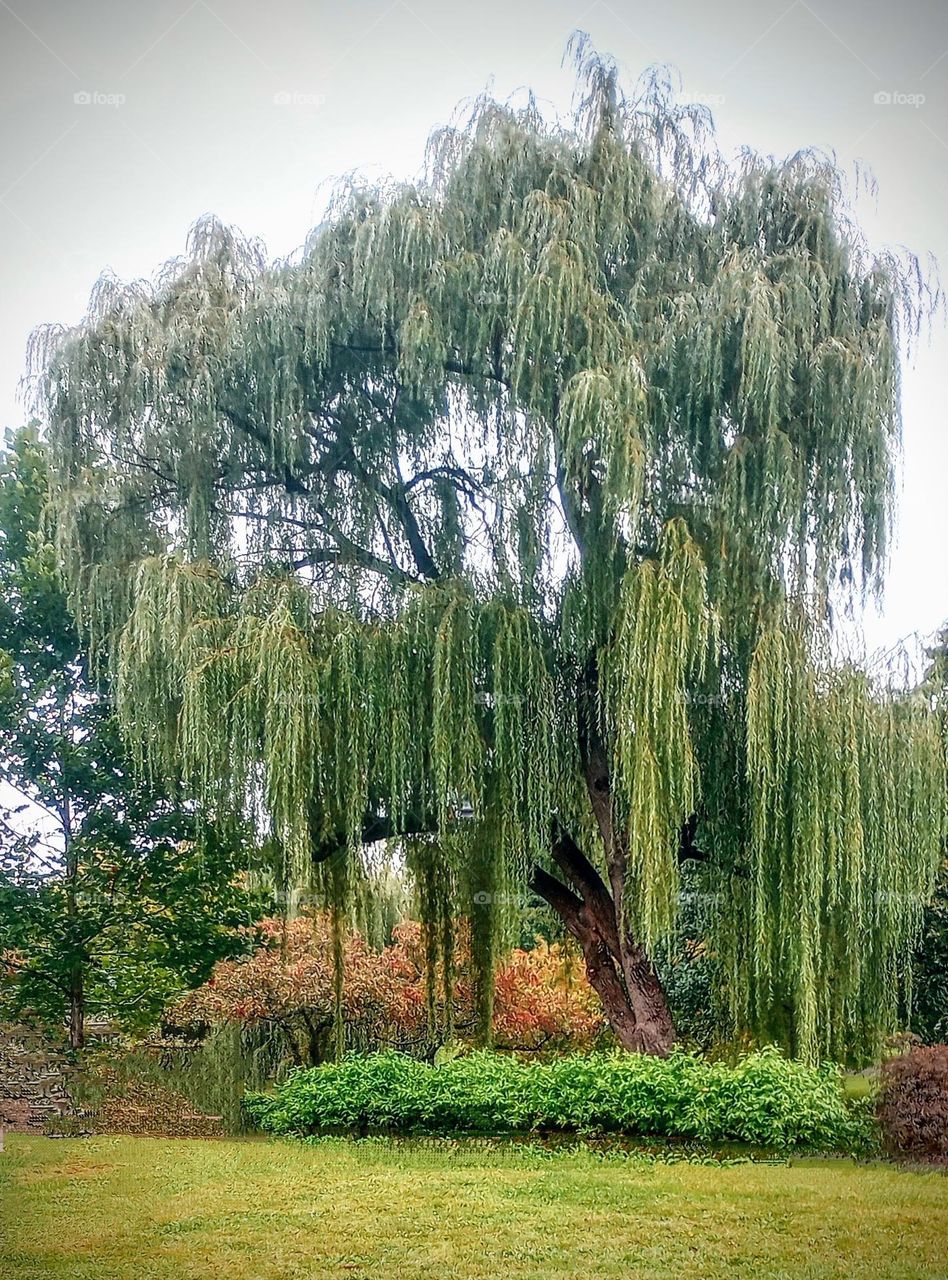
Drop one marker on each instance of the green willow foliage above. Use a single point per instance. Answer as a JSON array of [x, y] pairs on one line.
[[579, 433]]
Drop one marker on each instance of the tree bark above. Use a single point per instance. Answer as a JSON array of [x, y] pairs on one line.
[[618, 968], [600, 965], [655, 1025]]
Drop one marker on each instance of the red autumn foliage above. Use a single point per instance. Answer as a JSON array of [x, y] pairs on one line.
[[542, 999], [913, 1103]]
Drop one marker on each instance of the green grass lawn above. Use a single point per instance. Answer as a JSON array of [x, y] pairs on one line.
[[111, 1208]]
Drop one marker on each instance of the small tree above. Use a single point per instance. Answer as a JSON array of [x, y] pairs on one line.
[[112, 896], [507, 519]]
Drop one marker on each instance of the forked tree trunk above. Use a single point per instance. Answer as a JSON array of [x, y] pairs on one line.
[[618, 969]]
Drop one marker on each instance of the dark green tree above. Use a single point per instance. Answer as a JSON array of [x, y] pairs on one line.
[[929, 1018], [111, 897], [929, 1013], [507, 519]]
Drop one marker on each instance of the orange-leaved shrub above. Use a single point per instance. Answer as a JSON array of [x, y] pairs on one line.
[[542, 999], [913, 1104]]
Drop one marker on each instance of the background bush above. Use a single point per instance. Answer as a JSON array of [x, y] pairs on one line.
[[913, 1104], [286, 989], [764, 1099]]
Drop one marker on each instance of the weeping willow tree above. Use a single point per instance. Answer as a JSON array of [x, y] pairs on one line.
[[506, 520]]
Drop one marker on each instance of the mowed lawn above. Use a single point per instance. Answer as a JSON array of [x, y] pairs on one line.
[[117, 1208]]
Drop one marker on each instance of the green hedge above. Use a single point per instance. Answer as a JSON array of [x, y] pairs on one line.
[[764, 1099]]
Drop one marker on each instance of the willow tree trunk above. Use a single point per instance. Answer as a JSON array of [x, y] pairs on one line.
[[617, 967]]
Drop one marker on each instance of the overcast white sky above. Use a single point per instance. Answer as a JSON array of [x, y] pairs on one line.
[[123, 122]]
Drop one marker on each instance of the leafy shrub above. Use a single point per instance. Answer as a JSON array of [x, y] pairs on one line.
[[913, 1103], [765, 1099], [542, 1000]]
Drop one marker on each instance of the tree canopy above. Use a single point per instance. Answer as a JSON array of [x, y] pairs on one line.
[[508, 518]]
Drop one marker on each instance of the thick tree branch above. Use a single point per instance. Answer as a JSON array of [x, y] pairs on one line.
[[584, 877], [376, 827], [289, 480], [601, 969]]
